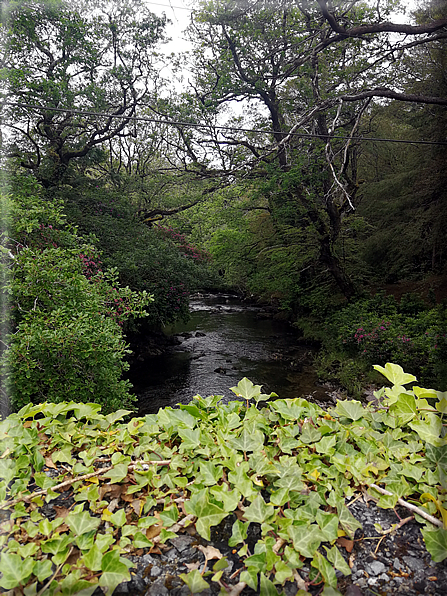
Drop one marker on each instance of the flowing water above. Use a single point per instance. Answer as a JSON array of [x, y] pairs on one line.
[[224, 341]]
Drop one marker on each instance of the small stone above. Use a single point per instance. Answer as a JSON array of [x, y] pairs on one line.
[[158, 589], [353, 590], [372, 581], [413, 563], [156, 571], [171, 555], [182, 542], [384, 577], [397, 564], [376, 567], [361, 582]]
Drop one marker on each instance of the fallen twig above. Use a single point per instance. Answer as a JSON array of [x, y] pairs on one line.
[[410, 506], [78, 479], [42, 590]]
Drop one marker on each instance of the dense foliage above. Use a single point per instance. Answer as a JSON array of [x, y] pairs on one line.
[[155, 259], [285, 466], [62, 325]]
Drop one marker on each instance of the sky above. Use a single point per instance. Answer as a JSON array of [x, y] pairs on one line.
[[179, 11]]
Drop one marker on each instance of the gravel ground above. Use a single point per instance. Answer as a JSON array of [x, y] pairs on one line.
[[393, 564]]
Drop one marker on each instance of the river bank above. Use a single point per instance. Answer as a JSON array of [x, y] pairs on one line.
[[227, 338]]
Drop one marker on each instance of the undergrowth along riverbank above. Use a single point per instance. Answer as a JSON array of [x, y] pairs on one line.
[[286, 466]]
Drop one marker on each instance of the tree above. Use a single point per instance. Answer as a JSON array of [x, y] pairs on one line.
[[406, 197], [66, 62], [306, 72]]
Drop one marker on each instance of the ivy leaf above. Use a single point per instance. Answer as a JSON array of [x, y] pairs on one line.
[[241, 481], [347, 521], [115, 416], [81, 523], [239, 533], [15, 570], [336, 558], [141, 541], [191, 438], [117, 473], [309, 433], [210, 473], [328, 523], [436, 543], [395, 374], [248, 441], [282, 572], [72, 585], [429, 430], [229, 498], [250, 577], [246, 389], [288, 408], [350, 409], [325, 568], [114, 571], [43, 569], [169, 516], [93, 559], [194, 581], [118, 518], [89, 411], [259, 511], [257, 561], [306, 539], [208, 514], [267, 587], [404, 407]]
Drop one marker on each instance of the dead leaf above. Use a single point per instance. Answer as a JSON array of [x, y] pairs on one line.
[[112, 505], [210, 552], [299, 581], [63, 528], [27, 424], [351, 561], [155, 550], [115, 490], [192, 566], [236, 589], [61, 511], [137, 506], [49, 463], [153, 531], [347, 544], [74, 556]]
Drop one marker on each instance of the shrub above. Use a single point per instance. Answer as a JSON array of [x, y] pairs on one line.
[[65, 312]]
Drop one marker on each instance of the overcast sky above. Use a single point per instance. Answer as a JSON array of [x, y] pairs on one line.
[[179, 12]]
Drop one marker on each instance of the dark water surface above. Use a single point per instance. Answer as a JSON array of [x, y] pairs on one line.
[[224, 341]]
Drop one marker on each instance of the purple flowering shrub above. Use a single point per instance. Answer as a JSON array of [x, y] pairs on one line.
[[375, 332]]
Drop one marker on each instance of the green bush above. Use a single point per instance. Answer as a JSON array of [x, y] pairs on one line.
[[379, 330], [153, 259], [65, 313]]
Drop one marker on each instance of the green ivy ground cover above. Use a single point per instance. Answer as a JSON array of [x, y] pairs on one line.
[[285, 464]]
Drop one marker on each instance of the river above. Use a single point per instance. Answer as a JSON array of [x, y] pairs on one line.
[[224, 341]]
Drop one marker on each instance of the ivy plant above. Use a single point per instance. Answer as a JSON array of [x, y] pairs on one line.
[[284, 464]]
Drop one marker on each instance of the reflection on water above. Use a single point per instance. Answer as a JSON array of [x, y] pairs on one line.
[[224, 341]]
